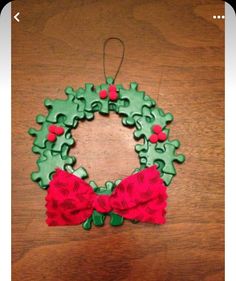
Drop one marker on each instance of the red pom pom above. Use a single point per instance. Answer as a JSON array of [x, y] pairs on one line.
[[153, 138], [52, 137], [113, 96], [156, 129], [103, 94], [162, 136], [52, 128], [112, 88], [59, 130]]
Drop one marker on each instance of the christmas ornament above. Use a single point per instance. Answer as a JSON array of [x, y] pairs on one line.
[[141, 196]]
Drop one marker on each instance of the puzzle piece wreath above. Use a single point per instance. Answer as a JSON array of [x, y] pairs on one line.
[[54, 139]]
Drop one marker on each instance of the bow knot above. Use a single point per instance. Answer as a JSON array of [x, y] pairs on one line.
[[141, 196], [102, 203]]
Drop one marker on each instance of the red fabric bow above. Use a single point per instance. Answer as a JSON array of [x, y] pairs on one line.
[[141, 196]]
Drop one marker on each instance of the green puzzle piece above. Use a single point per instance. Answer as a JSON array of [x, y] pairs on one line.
[[135, 102], [113, 105], [81, 105], [65, 139], [162, 154], [37, 150], [97, 218], [151, 154], [92, 100], [41, 135], [139, 147], [167, 178], [145, 123], [48, 165], [87, 114], [144, 146], [40, 151], [67, 108], [80, 172]]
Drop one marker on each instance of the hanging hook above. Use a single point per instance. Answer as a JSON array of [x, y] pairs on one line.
[[104, 55]]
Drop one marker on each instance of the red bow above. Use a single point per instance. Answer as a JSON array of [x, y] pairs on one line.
[[141, 196]]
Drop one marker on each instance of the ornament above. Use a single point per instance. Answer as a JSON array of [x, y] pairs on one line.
[[141, 196]]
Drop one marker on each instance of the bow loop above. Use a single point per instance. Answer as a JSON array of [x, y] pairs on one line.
[[138, 189]]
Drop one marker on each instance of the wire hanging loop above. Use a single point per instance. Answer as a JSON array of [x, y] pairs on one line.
[[104, 55]]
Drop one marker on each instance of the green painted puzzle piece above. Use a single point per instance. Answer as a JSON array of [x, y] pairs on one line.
[[41, 135], [81, 105], [113, 105], [144, 146], [168, 157], [67, 108], [91, 99], [98, 218], [38, 150], [65, 139], [47, 166], [162, 154], [81, 172], [145, 123], [135, 102]]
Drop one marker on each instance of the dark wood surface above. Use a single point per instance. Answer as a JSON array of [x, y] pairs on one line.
[[175, 51]]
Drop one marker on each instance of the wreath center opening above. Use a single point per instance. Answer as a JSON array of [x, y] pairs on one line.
[[105, 148]]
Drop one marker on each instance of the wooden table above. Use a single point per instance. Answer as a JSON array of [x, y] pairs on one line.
[[175, 51]]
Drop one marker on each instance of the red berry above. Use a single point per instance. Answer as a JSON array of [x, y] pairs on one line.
[[103, 94], [153, 138], [156, 129], [52, 128], [162, 136], [51, 137], [112, 88], [59, 130], [113, 96]]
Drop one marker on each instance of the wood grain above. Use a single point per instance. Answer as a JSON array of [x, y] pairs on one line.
[[175, 51]]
